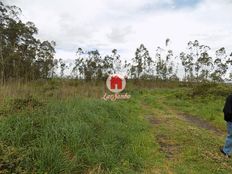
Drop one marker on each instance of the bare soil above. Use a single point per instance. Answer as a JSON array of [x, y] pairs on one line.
[[200, 123]]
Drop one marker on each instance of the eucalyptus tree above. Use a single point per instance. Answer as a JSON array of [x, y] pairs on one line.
[[161, 67], [137, 64], [164, 62], [45, 58], [196, 62], [221, 65], [229, 72], [117, 62], [112, 64], [127, 68], [78, 69], [204, 63], [107, 67], [188, 60], [94, 64], [10, 28], [54, 68], [63, 66], [142, 63], [89, 65], [22, 56], [171, 72]]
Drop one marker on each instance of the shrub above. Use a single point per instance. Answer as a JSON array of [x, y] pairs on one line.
[[213, 89]]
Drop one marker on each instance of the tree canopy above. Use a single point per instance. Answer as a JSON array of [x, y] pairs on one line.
[[22, 56]]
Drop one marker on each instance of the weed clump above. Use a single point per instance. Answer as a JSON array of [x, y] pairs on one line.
[[28, 103], [15, 105], [11, 160]]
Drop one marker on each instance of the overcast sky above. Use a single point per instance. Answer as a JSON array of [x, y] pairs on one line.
[[125, 24]]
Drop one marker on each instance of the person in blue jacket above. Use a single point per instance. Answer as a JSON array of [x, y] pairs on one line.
[[227, 149]]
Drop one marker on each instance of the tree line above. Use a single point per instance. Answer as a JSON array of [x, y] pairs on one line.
[[196, 64], [24, 57]]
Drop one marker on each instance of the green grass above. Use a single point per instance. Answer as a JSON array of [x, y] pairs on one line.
[[188, 147], [206, 107], [78, 135], [64, 127]]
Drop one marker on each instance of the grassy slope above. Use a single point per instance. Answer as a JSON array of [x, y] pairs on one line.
[[73, 131]]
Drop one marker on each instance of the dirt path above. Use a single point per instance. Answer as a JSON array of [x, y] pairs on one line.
[[179, 134], [200, 123], [189, 119]]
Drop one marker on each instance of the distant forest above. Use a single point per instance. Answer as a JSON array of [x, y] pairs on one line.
[[24, 57]]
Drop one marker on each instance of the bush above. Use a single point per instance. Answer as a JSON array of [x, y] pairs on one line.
[[211, 89]]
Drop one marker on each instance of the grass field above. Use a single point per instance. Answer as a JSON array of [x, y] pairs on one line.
[[65, 127]]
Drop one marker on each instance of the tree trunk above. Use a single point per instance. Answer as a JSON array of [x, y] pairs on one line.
[[2, 61]]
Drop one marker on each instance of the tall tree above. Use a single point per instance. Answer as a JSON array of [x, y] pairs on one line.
[[220, 65], [141, 63], [89, 64], [22, 56], [164, 63]]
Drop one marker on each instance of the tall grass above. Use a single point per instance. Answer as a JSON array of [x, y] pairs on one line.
[[60, 126], [61, 89], [76, 136]]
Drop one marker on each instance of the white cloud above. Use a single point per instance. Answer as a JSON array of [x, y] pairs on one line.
[[108, 24]]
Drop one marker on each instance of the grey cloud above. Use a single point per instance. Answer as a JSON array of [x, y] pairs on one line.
[[103, 24], [118, 35]]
